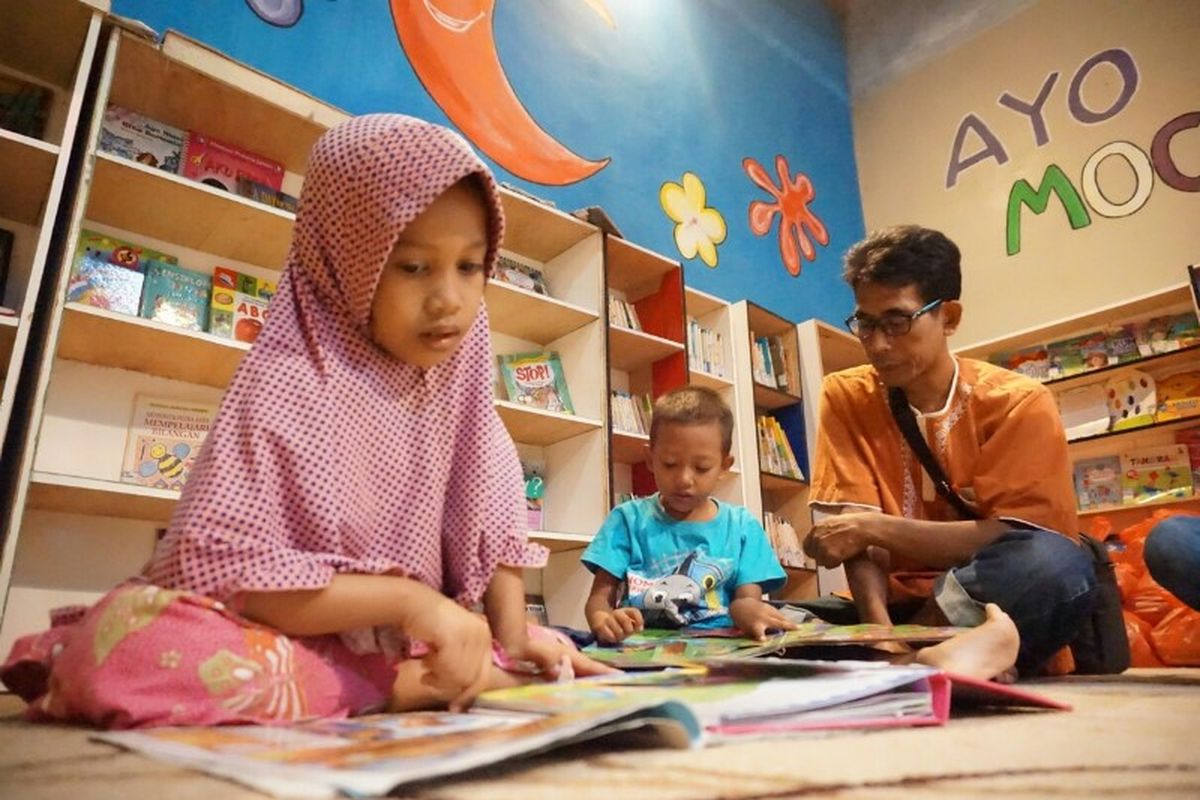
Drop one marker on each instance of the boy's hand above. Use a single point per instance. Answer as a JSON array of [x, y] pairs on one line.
[[460, 654], [754, 618], [613, 626]]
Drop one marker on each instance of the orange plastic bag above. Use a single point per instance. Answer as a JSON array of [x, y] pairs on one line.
[[1141, 652], [1150, 601], [1176, 639]]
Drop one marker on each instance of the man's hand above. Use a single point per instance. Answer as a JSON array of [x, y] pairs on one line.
[[754, 618], [613, 626], [841, 537]]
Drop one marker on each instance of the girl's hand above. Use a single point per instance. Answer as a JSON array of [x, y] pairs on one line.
[[613, 626], [551, 657], [460, 656], [754, 618]]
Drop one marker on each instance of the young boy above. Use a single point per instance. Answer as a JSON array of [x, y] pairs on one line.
[[685, 558]]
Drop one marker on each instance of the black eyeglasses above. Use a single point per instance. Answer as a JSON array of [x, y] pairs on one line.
[[891, 324]]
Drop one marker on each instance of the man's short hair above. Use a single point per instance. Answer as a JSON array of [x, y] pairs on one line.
[[907, 255], [693, 405]]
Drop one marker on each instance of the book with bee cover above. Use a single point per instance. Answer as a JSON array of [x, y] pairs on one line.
[[165, 436]]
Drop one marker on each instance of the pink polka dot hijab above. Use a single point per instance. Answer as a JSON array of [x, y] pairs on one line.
[[329, 455]]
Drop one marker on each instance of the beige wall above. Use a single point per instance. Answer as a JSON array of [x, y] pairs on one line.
[[905, 134]]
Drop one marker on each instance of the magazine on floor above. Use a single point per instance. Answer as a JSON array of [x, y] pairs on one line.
[[727, 699]]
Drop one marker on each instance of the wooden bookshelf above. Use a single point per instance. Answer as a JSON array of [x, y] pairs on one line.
[[526, 315], [111, 339], [561, 542], [72, 494], [770, 398], [631, 350], [8, 335], [629, 448], [28, 169], [538, 426]]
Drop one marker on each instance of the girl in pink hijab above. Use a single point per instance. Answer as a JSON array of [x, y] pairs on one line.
[[357, 493]]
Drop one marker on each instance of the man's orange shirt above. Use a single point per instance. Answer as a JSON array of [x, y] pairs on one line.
[[999, 434]]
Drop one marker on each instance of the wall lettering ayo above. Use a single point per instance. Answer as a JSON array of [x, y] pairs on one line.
[[1078, 201]]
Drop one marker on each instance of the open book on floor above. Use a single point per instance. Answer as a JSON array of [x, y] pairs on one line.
[[653, 648], [690, 707]]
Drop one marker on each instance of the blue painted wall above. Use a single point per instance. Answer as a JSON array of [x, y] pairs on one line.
[[677, 85]]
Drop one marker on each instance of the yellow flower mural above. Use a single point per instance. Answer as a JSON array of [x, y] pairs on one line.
[[698, 229]]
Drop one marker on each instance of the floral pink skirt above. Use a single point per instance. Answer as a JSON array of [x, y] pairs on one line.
[[145, 656]]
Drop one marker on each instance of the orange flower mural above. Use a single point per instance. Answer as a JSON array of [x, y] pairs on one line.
[[792, 198]]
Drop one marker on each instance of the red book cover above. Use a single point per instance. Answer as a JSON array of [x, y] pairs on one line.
[[221, 165]]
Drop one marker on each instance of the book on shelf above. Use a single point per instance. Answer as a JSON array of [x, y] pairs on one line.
[[262, 193], [537, 380], [109, 272], [1178, 396], [785, 541], [176, 296], [1190, 438], [24, 106], [221, 165], [1078, 354], [514, 270], [706, 349], [701, 705], [1132, 400], [131, 135], [535, 493], [1033, 362], [1156, 473], [622, 313], [240, 304], [775, 450], [631, 413], [1098, 482], [164, 440], [1084, 411]]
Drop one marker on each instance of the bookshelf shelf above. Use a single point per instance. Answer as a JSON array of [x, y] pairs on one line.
[[539, 231], [839, 349], [630, 349], [1183, 502], [1163, 362], [629, 448], [634, 270], [136, 197], [714, 382], [110, 339], [28, 169], [78, 495], [1129, 432], [561, 542], [540, 427], [526, 315], [773, 483], [770, 398]]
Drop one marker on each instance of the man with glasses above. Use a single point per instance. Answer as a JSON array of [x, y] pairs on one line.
[[909, 555]]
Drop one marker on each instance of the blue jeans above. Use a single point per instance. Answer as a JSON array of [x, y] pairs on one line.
[[1044, 581], [1173, 557]]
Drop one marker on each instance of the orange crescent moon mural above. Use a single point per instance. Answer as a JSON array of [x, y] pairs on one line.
[[451, 47]]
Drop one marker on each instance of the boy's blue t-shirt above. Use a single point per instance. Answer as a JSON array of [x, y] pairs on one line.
[[683, 573]]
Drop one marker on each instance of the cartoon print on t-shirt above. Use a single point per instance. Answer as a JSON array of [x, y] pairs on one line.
[[683, 597]]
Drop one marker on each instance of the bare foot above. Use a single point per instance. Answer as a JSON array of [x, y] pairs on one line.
[[988, 651]]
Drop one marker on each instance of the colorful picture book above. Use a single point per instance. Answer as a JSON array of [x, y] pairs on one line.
[[138, 138], [1098, 482], [1077, 354], [1178, 396], [1155, 473], [164, 440], [509, 269], [109, 272], [658, 648], [221, 165], [176, 296], [1132, 400], [536, 380], [239, 305], [375, 755]]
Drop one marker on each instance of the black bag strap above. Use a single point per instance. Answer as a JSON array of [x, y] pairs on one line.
[[907, 422]]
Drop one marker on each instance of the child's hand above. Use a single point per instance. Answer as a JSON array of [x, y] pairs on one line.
[[460, 657], [613, 626], [551, 658], [754, 618]]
